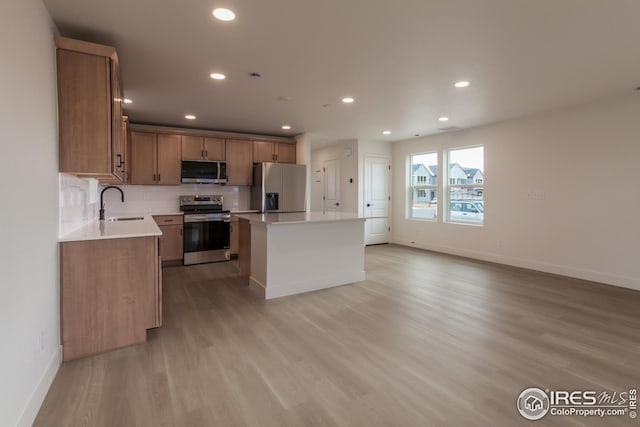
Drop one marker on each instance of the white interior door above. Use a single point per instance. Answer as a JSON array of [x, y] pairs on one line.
[[332, 185], [377, 199]]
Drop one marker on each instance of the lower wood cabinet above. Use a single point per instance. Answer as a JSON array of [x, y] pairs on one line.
[[111, 293], [234, 235], [171, 241]]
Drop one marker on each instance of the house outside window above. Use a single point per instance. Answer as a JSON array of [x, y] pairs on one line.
[[424, 186], [466, 185]]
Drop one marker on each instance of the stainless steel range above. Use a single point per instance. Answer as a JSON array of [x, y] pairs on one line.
[[206, 229]]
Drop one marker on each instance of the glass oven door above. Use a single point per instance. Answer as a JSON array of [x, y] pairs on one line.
[[206, 235]]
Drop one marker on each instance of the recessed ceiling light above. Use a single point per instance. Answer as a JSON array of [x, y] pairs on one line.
[[348, 100], [190, 117], [386, 132], [217, 76], [461, 84], [127, 101], [286, 127], [224, 14], [444, 119]]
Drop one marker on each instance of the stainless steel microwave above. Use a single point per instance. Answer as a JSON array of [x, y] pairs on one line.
[[204, 172]]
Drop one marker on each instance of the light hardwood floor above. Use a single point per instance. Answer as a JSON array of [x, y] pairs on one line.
[[427, 340]]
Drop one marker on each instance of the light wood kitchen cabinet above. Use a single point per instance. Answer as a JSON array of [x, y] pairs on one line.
[[125, 146], [110, 294], [202, 148], [234, 235], [155, 158], [171, 241], [268, 151], [90, 111], [239, 162]]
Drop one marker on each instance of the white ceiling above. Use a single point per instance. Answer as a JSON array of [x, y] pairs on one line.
[[398, 59]]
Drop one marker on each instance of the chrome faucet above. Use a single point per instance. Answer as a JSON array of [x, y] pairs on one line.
[[102, 203]]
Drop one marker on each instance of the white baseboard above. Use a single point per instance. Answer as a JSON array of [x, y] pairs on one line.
[[38, 395], [563, 270]]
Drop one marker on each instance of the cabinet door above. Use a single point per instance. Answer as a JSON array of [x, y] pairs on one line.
[[285, 153], [171, 245], [84, 113], [126, 167], [234, 236], [192, 147], [143, 154], [263, 151], [239, 162], [214, 149], [117, 157], [169, 158]]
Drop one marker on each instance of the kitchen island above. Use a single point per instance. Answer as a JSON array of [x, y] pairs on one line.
[[290, 253]]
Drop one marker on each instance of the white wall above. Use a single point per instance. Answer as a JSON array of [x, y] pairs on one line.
[[586, 162], [28, 234], [348, 171]]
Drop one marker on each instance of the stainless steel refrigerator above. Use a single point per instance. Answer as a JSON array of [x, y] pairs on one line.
[[278, 187]]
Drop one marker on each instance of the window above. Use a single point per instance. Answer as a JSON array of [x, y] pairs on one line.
[[466, 185], [424, 186]]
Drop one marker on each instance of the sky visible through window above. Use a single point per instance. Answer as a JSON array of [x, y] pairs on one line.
[[468, 157]]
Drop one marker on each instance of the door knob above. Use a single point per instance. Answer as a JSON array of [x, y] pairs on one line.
[[368, 205], [337, 204]]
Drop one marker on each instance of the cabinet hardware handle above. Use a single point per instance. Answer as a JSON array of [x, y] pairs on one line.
[[120, 163], [202, 153], [154, 177], [231, 228], [206, 153], [158, 177], [168, 220]]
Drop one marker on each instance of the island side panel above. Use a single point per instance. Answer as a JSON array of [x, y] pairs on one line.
[[259, 256], [311, 256]]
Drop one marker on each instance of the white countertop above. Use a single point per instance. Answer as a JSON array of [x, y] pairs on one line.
[[97, 230], [300, 217]]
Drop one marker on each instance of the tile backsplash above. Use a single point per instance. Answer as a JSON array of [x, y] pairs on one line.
[[155, 199], [78, 202], [80, 199]]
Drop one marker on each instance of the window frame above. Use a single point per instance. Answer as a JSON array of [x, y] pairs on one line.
[[413, 189], [447, 186]]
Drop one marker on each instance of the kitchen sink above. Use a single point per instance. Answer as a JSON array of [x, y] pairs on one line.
[[130, 218]]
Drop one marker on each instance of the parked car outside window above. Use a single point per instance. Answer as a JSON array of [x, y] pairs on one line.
[[466, 211]]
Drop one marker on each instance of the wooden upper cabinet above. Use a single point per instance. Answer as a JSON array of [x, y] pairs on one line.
[[279, 152], [192, 147], [285, 153], [169, 154], [155, 158], [202, 148], [143, 154], [264, 151], [90, 110], [214, 149], [239, 162]]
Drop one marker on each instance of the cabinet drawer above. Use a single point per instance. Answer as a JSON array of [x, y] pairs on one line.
[[168, 219]]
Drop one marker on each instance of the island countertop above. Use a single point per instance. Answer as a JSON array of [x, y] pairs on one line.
[[97, 230], [300, 217]]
